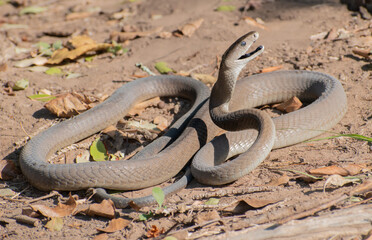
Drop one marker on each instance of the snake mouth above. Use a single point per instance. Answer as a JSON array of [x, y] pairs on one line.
[[252, 54]]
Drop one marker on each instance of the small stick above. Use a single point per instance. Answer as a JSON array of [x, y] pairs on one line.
[[52, 194], [313, 210], [27, 220], [239, 191]]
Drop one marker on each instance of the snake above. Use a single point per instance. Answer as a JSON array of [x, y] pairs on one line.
[[221, 124]]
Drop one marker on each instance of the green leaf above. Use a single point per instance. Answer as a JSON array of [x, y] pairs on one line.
[[89, 59], [32, 10], [225, 8], [351, 135], [163, 68], [159, 196], [55, 224], [42, 45], [212, 201], [42, 97], [54, 71], [145, 217], [20, 85], [57, 45], [98, 151]]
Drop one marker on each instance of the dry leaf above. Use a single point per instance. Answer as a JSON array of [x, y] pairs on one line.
[[338, 181], [243, 205], [354, 169], [140, 107], [189, 29], [161, 122], [55, 224], [30, 213], [82, 45], [271, 69], [206, 216], [205, 78], [78, 15], [123, 36], [254, 23], [68, 105], [154, 231], [115, 225], [102, 236], [8, 170], [363, 52], [104, 209], [61, 210], [290, 105], [330, 170], [134, 206], [282, 180], [110, 130]]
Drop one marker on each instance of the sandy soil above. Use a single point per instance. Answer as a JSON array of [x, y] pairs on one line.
[[290, 34]]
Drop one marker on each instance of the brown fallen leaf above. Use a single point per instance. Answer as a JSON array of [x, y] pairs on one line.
[[363, 52], [115, 225], [282, 180], [243, 205], [68, 105], [123, 36], [206, 216], [104, 209], [8, 170], [189, 28], [354, 169], [102, 236], [271, 69], [161, 122], [330, 170], [78, 15], [254, 23], [140, 107], [154, 231], [30, 213], [290, 105], [61, 210], [82, 45]]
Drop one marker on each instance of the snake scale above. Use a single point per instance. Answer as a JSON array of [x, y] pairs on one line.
[[231, 106]]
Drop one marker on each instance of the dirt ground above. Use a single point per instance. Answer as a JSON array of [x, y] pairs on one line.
[[317, 35]]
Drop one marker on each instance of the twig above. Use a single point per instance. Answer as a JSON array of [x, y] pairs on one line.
[[20, 192], [239, 191], [313, 210], [52, 194], [27, 220], [358, 203]]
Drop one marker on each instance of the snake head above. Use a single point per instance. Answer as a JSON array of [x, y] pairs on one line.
[[237, 55]]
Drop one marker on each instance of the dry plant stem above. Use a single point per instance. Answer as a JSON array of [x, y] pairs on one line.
[[313, 210], [27, 220], [20, 123], [51, 194], [20, 192], [233, 192], [358, 203]]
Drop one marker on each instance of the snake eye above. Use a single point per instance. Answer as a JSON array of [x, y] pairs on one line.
[[243, 43]]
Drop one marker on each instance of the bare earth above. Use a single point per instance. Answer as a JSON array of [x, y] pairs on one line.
[[288, 27]]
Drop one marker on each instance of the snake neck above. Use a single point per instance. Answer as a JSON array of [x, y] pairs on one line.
[[223, 89]]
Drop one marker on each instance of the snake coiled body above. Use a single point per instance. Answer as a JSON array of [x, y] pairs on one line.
[[192, 134]]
